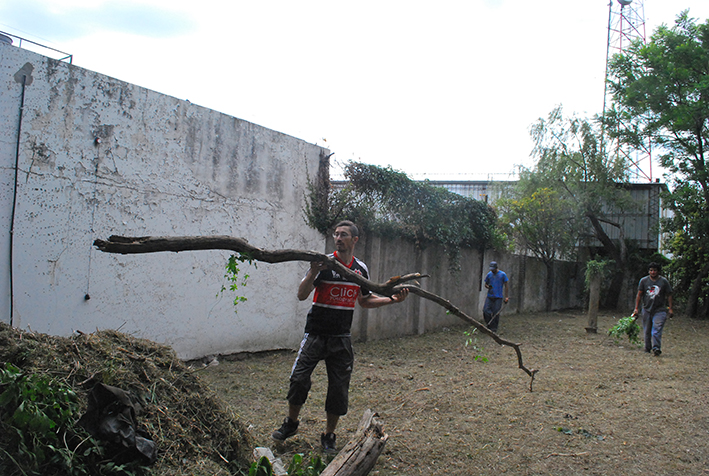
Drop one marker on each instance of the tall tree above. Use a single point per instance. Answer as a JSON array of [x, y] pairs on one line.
[[544, 224], [572, 161], [662, 92]]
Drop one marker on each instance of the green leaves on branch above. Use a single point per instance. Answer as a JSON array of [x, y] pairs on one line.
[[233, 276], [626, 327], [298, 466], [471, 340], [596, 268], [261, 467], [35, 412]]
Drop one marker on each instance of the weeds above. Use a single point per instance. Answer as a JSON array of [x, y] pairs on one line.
[[297, 467], [471, 340], [37, 417]]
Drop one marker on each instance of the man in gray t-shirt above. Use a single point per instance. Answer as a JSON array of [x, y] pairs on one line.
[[655, 293]]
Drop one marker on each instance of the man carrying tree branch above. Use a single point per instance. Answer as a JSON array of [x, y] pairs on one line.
[[327, 334]]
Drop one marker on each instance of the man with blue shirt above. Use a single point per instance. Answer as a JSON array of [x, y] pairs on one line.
[[497, 293]]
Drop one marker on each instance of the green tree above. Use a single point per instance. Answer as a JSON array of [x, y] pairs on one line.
[[572, 161], [662, 92], [544, 224]]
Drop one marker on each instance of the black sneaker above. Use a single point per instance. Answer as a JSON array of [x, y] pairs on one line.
[[287, 429], [328, 442], [656, 352]]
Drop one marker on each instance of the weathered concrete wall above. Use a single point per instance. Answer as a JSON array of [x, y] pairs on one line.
[[528, 283], [464, 289], [100, 157], [386, 258]]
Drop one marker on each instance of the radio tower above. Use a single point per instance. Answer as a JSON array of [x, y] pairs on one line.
[[626, 24]]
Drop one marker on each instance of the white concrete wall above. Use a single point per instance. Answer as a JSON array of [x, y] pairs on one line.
[[163, 167]]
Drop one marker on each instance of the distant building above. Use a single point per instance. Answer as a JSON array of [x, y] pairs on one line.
[[640, 225]]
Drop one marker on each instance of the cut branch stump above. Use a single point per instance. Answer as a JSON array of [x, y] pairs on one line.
[[593, 300], [359, 455]]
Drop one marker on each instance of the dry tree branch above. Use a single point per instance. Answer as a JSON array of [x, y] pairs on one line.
[[150, 244]]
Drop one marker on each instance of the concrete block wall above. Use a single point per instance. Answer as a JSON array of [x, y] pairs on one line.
[[464, 289]]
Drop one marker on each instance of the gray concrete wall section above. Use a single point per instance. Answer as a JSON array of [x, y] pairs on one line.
[[387, 257], [100, 157], [527, 277], [391, 257]]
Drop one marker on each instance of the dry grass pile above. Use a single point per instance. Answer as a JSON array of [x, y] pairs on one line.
[[195, 432]]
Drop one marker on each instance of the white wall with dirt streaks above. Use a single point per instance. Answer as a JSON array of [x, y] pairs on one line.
[[98, 157]]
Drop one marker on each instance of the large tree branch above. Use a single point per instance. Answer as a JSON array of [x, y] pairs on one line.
[[149, 244]]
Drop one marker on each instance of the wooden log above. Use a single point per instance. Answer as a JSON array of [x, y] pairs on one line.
[[360, 454]]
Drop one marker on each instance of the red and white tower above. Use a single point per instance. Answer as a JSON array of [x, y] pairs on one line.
[[626, 24]]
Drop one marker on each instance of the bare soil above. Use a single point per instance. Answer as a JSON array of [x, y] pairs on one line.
[[598, 407]]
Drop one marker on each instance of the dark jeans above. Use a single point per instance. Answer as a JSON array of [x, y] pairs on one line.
[[337, 353], [491, 312]]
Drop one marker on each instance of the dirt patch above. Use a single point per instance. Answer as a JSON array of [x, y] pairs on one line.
[[598, 407]]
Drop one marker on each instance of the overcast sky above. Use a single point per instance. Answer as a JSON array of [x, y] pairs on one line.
[[444, 90]]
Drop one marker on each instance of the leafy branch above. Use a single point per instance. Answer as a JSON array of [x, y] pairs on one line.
[[626, 327], [388, 202], [232, 275]]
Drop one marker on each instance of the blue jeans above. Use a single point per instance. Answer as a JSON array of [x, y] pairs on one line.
[[491, 312], [652, 326]]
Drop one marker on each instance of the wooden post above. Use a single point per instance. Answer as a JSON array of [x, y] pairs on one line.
[[593, 298]]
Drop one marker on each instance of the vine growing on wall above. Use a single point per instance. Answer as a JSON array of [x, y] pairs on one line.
[[387, 202]]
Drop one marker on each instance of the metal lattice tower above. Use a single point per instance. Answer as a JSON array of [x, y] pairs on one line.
[[626, 24]]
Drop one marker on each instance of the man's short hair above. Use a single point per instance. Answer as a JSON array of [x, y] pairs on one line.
[[654, 265], [353, 228]]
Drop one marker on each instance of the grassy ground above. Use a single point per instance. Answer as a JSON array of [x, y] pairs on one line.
[[598, 407]]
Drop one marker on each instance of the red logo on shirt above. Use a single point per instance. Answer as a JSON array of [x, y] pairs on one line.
[[342, 295]]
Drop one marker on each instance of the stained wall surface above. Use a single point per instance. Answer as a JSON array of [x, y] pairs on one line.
[[97, 157]]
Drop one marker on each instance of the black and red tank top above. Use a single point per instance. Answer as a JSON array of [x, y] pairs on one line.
[[334, 300]]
